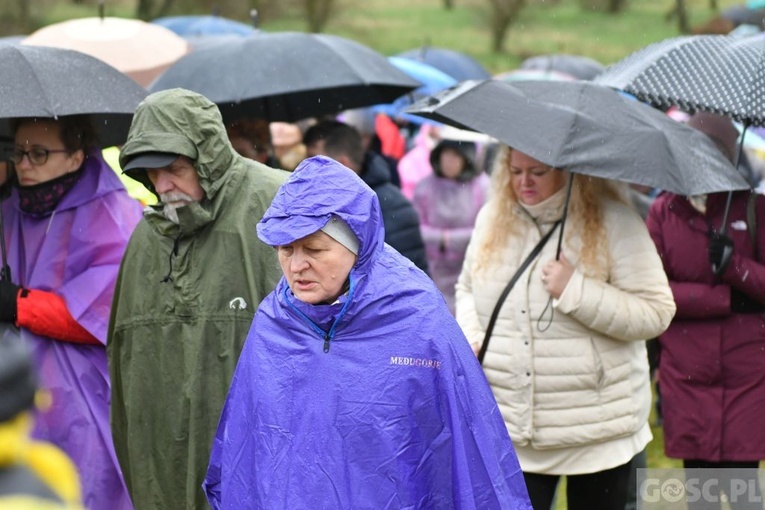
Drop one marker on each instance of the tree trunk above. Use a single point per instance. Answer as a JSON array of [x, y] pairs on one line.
[[682, 17], [318, 13], [616, 6], [448, 5], [503, 14], [146, 11]]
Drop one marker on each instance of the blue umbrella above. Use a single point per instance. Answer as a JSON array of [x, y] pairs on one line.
[[457, 65], [432, 80], [191, 25]]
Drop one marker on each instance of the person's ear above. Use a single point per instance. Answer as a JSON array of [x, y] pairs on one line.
[[346, 161], [77, 159]]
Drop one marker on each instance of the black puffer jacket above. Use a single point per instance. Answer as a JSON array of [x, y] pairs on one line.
[[402, 223]]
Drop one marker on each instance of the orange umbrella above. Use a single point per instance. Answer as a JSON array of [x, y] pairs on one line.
[[139, 49]]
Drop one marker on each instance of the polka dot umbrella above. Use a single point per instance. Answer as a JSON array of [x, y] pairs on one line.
[[713, 73]]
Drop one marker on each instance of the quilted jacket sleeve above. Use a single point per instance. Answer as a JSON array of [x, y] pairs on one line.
[[636, 302], [466, 314]]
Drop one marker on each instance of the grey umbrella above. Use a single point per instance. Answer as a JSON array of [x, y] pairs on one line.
[[40, 81], [287, 76], [587, 128]]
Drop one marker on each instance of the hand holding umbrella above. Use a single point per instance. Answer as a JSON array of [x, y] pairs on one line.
[[8, 294], [720, 252], [556, 274]]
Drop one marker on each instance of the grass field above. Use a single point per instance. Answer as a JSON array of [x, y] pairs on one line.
[[545, 26]]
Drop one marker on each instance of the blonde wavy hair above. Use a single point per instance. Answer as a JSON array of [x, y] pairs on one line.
[[585, 214]]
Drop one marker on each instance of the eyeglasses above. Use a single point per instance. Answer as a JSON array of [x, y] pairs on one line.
[[37, 156]]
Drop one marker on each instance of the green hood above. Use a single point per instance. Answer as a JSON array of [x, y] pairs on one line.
[[182, 122], [186, 123]]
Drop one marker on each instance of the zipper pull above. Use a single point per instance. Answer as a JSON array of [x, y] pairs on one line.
[[326, 342]]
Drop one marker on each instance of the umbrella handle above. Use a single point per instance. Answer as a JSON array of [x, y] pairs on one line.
[[5, 271], [724, 226], [565, 214]]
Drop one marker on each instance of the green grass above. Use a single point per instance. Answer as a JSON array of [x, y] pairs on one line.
[[545, 26]]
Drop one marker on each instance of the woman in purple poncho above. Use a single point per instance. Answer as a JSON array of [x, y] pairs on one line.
[[66, 224]]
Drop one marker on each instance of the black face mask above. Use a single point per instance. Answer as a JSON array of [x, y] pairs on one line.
[[42, 199]]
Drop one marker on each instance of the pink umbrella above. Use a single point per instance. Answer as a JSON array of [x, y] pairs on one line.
[[139, 49]]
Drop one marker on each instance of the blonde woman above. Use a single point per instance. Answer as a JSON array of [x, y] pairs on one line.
[[567, 360]]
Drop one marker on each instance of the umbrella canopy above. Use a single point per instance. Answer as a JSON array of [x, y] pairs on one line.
[[534, 74], [454, 63], [432, 80], [578, 66], [589, 129], [288, 76], [202, 25], [54, 82], [139, 49], [714, 73]]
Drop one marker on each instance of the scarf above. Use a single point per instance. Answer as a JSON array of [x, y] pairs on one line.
[[41, 199]]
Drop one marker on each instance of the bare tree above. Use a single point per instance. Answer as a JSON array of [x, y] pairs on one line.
[[503, 14], [150, 9], [318, 13]]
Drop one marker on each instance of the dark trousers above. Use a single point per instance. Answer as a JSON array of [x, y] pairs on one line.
[[722, 480], [605, 490]]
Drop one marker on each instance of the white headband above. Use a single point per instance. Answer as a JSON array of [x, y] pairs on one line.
[[339, 230]]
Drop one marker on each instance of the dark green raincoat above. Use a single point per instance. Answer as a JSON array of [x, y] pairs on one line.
[[183, 304]]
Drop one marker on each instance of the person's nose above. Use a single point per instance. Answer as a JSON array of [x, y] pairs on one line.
[[527, 179], [161, 181], [298, 262], [25, 163]]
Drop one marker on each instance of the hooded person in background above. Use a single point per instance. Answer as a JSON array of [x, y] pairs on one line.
[[356, 388], [448, 202], [191, 279]]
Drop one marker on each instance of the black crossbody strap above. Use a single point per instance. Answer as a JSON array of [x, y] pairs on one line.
[[534, 253]]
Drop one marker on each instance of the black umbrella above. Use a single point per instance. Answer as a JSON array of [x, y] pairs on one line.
[[39, 81], [51, 82], [588, 129], [287, 76]]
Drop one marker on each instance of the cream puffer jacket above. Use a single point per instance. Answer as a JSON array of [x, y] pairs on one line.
[[575, 372]]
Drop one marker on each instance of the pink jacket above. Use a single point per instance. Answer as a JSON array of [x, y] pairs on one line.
[[448, 210]]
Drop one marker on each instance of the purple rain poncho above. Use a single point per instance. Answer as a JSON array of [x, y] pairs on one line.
[[75, 252], [376, 401]]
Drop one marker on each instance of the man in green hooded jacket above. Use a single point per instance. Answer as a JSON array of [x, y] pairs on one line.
[[191, 279]]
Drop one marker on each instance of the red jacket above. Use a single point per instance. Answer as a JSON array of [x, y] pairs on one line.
[[712, 364]]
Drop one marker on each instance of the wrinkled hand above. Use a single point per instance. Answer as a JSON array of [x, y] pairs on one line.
[[556, 274], [8, 294], [720, 252]]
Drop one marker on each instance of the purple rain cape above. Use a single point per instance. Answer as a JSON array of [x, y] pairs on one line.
[[376, 401], [75, 252]]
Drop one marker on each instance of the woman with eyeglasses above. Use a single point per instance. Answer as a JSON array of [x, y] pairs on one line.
[[66, 223], [567, 360]]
